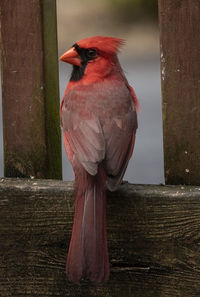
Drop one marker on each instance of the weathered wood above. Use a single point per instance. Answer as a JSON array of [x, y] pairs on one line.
[[180, 75], [30, 96], [51, 88], [153, 239]]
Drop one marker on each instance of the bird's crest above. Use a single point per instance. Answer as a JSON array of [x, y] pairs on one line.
[[109, 45]]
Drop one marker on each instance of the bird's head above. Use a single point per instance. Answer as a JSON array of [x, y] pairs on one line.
[[92, 56]]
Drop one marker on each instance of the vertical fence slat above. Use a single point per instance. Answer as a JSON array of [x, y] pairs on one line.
[[51, 88], [29, 86], [180, 76]]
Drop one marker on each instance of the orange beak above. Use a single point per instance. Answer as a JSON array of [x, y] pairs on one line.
[[71, 56]]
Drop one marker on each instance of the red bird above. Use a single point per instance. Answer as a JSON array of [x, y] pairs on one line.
[[99, 120]]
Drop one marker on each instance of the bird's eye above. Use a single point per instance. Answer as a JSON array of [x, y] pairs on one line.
[[91, 53]]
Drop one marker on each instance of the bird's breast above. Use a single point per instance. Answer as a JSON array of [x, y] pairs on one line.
[[105, 99]]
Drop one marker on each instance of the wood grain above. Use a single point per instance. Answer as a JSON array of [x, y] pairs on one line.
[[29, 85], [153, 239], [51, 89], [180, 76]]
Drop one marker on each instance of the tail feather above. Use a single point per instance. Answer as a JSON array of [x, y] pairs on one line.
[[88, 254]]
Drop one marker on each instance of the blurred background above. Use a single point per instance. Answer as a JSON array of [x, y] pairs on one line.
[[136, 22]]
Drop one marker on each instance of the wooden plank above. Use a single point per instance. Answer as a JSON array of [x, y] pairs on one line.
[[51, 89], [31, 130], [153, 239], [180, 76]]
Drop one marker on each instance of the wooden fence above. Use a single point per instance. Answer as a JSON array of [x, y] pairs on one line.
[[180, 76], [30, 96], [153, 240], [153, 231]]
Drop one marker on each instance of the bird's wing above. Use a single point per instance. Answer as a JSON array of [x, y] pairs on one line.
[[100, 127], [83, 137], [119, 135]]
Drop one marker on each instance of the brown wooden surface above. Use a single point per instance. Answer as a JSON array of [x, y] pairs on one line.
[[180, 76], [51, 89], [153, 239], [29, 86]]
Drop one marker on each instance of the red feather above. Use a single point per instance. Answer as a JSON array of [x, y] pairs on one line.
[[109, 45], [98, 115]]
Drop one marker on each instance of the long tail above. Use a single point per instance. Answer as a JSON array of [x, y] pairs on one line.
[[88, 253]]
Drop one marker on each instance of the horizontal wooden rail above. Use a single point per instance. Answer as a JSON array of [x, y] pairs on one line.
[[153, 239]]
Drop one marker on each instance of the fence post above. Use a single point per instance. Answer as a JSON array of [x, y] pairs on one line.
[[30, 93], [180, 76]]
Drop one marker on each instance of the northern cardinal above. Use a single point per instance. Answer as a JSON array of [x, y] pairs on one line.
[[98, 116]]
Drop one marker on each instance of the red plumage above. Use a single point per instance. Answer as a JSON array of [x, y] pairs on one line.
[[98, 115]]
